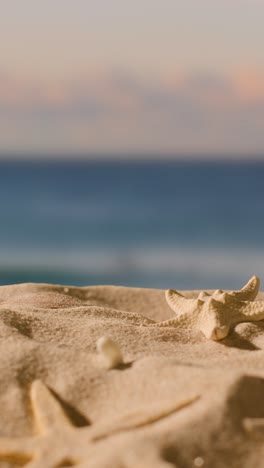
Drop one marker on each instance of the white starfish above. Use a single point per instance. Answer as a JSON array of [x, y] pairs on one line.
[[247, 293], [215, 314], [60, 443]]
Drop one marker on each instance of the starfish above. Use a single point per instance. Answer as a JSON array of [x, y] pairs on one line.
[[247, 293], [214, 315], [60, 443]]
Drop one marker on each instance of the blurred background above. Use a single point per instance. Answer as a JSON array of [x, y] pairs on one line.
[[132, 142]]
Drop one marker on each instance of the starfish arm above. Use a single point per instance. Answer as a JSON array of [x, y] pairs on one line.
[[249, 291], [234, 311], [185, 320], [16, 449], [140, 418], [249, 312], [47, 410], [179, 303], [203, 295]]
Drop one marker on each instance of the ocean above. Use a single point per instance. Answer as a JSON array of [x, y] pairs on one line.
[[162, 224]]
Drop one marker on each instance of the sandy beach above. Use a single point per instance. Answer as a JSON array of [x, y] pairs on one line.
[[178, 399]]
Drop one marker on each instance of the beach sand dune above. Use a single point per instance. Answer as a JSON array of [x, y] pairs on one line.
[[178, 400]]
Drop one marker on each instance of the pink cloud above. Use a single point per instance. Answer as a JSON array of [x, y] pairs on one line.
[[249, 84], [106, 112]]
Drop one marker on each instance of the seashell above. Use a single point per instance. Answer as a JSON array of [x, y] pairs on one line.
[[110, 352]]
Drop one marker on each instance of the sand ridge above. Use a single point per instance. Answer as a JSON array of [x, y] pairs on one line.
[[48, 333]]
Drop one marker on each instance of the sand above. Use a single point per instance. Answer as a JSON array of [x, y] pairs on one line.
[[49, 333]]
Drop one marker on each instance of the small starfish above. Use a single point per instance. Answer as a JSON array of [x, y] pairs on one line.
[[60, 443], [215, 314]]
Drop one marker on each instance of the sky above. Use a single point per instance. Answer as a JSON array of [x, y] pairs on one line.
[[115, 77]]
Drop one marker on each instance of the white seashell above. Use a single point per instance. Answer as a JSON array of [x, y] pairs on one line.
[[110, 352], [198, 461]]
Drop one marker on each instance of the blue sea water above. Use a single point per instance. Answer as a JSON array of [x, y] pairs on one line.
[[147, 224]]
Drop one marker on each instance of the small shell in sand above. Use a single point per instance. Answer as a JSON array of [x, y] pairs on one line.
[[110, 352]]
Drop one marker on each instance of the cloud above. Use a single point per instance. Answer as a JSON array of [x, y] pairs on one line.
[[116, 112]]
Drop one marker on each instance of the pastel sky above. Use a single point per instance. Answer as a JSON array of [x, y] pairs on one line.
[[119, 77]]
